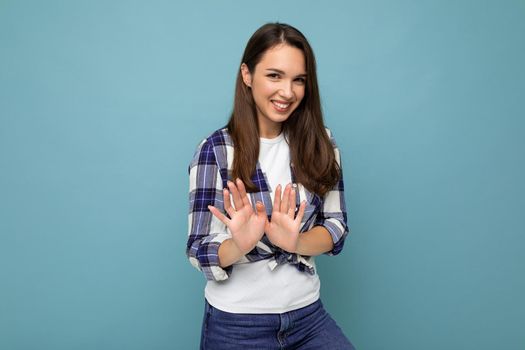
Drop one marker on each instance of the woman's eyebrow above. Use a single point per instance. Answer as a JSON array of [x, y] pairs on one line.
[[281, 72]]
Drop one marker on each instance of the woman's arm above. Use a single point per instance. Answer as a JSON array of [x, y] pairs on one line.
[[332, 215], [314, 242], [329, 229], [229, 253], [206, 232]]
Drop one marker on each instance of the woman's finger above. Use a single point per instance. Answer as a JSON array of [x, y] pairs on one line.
[[227, 203], [237, 201], [300, 213], [219, 215], [242, 192], [277, 198], [286, 199], [291, 210], [261, 210]]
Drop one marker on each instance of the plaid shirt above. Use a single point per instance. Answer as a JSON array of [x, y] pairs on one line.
[[209, 171]]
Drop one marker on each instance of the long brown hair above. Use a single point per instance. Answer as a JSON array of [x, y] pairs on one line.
[[311, 150]]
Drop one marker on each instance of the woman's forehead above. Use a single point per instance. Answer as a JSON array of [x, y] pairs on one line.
[[285, 58]]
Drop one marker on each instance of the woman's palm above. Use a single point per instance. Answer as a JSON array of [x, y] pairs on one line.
[[246, 227], [245, 224], [283, 229]]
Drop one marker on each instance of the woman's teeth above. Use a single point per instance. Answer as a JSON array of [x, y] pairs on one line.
[[281, 105]]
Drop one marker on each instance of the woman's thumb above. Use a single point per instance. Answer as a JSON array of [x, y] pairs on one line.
[[261, 210]]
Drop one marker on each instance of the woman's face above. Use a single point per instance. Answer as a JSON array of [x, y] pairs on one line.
[[277, 83]]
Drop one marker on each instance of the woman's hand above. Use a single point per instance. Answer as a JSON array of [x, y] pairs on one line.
[[246, 225], [283, 230]]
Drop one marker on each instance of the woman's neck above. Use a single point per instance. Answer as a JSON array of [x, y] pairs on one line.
[[269, 129]]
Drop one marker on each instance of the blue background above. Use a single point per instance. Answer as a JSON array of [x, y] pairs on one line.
[[102, 104]]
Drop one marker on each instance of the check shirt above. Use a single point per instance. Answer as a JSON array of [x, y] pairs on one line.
[[209, 171]]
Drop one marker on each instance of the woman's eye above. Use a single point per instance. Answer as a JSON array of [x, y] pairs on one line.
[[301, 80], [273, 75]]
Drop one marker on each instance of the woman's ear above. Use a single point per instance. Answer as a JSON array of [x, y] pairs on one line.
[[246, 75]]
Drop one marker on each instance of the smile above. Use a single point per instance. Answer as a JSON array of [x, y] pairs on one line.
[[281, 107]]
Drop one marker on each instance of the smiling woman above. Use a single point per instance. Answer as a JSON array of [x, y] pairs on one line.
[[266, 197]]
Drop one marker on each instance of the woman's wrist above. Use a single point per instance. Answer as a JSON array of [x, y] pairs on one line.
[[314, 242], [229, 253]]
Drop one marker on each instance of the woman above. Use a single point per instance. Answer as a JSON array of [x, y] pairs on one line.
[[266, 196]]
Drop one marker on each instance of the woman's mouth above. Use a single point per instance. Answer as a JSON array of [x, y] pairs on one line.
[[281, 106]]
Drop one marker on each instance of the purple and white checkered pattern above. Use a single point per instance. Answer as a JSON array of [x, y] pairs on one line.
[[209, 171]]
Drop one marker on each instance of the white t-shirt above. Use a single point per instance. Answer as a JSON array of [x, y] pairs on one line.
[[253, 287]]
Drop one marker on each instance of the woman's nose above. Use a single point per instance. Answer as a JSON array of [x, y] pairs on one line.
[[286, 90]]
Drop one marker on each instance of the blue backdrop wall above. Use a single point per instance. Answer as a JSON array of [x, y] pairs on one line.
[[102, 104]]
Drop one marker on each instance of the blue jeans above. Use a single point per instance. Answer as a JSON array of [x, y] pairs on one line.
[[310, 327]]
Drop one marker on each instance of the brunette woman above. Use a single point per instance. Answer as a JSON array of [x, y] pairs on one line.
[[266, 197]]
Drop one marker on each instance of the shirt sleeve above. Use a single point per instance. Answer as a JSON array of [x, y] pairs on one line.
[[332, 215], [206, 232]]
